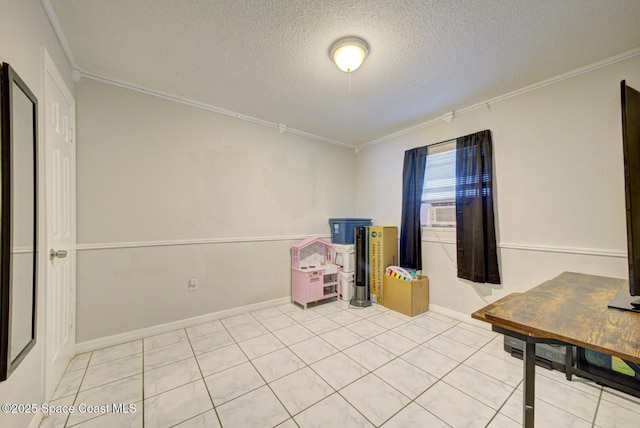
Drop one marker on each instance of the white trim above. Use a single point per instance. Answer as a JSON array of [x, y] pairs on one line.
[[46, 4], [57, 28], [22, 250], [458, 316], [283, 128], [566, 250], [214, 109], [78, 71], [439, 241], [117, 339], [521, 91], [51, 71], [545, 248], [177, 242]]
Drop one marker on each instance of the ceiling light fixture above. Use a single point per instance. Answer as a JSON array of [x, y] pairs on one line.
[[348, 53]]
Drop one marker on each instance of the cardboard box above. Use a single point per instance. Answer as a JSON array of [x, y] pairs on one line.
[[383, 252], [408, 297]]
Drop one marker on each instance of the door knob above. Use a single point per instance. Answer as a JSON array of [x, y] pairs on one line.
[[61, 254]]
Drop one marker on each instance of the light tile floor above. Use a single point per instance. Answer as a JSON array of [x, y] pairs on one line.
[[328, 366]]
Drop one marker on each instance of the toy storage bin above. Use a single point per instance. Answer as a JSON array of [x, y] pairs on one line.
[[345, 257], [347, 284], [342, 229]]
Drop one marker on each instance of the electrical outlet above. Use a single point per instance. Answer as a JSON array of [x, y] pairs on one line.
[[193, 284]]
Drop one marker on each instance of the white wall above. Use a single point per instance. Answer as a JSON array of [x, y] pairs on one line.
[[558, 182], [24, 30], [168, 191]]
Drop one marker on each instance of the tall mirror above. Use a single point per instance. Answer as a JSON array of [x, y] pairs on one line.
[[18, 221]]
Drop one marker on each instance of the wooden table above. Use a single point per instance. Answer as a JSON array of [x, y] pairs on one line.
[[569, 309]]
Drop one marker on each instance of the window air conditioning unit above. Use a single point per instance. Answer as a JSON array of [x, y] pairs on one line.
[[442, 214]]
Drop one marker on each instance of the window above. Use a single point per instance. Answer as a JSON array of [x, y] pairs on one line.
[[438, 195]]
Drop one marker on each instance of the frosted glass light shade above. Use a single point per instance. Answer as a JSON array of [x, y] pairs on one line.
[[349, 53]]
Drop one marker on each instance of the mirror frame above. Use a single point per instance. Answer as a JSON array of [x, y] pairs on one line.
[[9, 78]]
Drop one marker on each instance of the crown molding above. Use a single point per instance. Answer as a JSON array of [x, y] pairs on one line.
[[508, 95], [214, 109], [57, 28], [283, 128], [205, 241], [79, 72]]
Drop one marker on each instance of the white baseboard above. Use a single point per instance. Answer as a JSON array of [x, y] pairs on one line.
[[117, 339], [459, 316]]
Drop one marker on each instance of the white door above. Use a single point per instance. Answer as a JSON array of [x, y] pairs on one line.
[[60, 298]]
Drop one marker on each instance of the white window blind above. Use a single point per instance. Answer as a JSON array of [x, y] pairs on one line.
[[440, 176]]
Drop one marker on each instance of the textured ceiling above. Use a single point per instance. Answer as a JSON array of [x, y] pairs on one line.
[[268, 59]]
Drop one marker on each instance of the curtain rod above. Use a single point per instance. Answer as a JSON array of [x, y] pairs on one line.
[[442, 146], [442, 142], [452, 140], [433, 146]]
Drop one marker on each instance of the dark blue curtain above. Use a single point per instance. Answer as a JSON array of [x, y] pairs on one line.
[[413, 172], [475, 224]]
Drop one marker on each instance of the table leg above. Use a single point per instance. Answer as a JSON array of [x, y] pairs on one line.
[[529, 356], [568, 362]]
